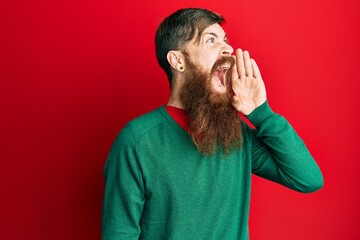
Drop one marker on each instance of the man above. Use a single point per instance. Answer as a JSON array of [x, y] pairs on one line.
[[183, 171]]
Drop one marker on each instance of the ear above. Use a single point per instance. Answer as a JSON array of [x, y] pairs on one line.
[[176, 60]]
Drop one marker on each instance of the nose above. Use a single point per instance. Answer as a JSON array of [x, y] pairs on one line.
[[226, 50]]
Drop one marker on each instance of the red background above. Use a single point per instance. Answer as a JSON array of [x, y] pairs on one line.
[[74, 72]]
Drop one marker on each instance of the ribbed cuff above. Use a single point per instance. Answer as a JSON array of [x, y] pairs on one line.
[[259, 114]]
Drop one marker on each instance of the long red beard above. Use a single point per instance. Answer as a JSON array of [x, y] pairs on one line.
[[212, 120]]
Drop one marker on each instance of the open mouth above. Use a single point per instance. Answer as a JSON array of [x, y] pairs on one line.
[[219, 78]]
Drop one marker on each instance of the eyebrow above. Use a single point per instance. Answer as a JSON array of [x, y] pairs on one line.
[[214, 34]]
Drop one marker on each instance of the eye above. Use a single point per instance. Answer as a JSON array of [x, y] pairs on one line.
[[210, 40]]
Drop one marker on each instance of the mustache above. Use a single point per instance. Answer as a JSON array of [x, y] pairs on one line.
[[223, 61]]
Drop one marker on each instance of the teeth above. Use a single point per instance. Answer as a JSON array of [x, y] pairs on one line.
[[224, 68]]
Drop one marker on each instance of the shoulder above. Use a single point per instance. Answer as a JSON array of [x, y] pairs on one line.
[[136, 128]]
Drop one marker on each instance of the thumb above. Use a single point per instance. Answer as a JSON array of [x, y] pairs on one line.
[[237, 104]]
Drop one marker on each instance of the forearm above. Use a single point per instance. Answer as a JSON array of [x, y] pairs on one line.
[[280, 155]]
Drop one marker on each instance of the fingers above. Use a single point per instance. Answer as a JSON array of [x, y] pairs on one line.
[[245, 65], [234, 72], [247, 62], [240, 63], [255, 68]]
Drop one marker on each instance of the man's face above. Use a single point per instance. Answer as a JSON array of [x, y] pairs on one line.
[[211, 46]]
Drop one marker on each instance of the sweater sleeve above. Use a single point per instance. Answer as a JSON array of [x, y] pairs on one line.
[[279, 154], [124, 190]]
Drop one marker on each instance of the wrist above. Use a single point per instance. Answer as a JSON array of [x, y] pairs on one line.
[[260, 113]]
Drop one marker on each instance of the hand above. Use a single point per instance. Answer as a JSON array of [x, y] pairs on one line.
[[247, 84]]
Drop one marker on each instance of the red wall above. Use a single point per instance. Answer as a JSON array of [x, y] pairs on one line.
[[72, 73]]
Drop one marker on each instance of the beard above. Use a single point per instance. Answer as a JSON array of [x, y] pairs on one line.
[[212, 121]]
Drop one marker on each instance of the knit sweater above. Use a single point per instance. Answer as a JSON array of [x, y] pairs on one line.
[[159, 186]]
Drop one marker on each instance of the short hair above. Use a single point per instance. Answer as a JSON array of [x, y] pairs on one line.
[[178, 28]]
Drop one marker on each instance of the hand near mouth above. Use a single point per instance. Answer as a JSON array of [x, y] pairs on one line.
[[247, 84]]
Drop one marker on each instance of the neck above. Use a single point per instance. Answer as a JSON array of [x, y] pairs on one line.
[[175, 103], [174, 99]]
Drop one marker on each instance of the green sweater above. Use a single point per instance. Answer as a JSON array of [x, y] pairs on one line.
[[158, 186]]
